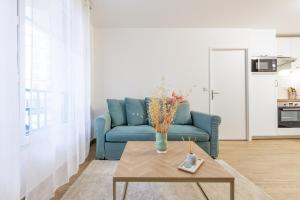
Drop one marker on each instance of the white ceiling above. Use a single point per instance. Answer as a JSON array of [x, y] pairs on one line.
[[282, 15]]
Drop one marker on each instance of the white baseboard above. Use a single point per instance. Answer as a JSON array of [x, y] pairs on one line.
[[276, 137]]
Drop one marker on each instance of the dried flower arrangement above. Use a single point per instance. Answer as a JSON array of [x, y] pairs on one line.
[[162, 108]]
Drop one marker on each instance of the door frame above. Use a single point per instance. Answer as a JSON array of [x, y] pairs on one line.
[[246, 51]]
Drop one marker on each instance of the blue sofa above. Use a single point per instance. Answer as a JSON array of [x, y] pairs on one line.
[[110, 141]]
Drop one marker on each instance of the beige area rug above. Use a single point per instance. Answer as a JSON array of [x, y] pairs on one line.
[[95, 183]]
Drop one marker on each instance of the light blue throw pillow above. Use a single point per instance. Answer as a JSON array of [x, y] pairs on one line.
[[117, 112], [136, 112], [183, 114]]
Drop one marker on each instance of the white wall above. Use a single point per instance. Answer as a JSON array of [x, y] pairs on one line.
[[129, 62]]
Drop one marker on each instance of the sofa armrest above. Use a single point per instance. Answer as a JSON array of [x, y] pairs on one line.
[[210, 124], [102, 125]]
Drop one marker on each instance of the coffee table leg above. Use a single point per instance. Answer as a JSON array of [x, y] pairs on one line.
[[201, 189], [125, 191], [232, 190], [114, 190]]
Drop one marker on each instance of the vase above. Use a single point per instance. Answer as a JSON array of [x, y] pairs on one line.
[[161, 142]]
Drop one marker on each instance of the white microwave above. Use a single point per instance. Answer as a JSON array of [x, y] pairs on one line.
[[264, 64]]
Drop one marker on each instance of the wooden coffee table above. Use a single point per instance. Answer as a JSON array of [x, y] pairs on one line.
[[141, 163]]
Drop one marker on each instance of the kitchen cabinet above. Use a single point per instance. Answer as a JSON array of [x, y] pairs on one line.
[[289, 46], [295, 51], [263, 105]]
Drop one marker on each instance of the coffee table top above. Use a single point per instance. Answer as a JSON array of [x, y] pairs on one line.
[[141, 163]]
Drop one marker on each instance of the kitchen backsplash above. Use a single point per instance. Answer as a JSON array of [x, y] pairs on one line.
[[286, 80]]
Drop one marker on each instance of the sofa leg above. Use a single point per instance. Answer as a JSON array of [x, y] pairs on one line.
[[101, 158]]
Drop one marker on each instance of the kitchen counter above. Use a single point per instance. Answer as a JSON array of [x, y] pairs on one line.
[[288, 100]]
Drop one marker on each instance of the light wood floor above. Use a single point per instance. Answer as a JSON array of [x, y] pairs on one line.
[[273, 165]]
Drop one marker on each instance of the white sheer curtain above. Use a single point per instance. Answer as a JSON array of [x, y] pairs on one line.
[[9, 103], [55, 57]]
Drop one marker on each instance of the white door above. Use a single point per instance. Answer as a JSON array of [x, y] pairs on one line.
[[228, 91]]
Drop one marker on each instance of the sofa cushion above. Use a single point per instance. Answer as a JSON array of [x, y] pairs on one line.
[[130, 133], [136, 112], [183, 114], [176, 132], [117, 112]]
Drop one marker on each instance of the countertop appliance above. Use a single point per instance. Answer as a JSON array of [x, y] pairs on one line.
[[264, 64], [288, 114]]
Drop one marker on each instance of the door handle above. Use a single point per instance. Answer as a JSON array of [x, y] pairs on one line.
[[213, 93]]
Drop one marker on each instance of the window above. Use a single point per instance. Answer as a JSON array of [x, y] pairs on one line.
[[35, 109], [37, 54]]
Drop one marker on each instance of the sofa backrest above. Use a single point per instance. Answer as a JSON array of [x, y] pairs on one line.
[[133, 112]]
